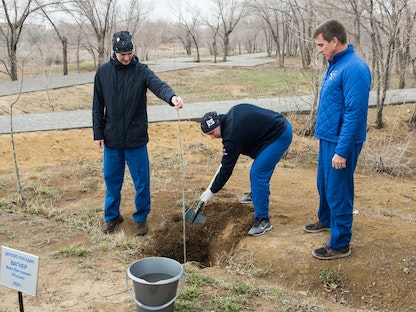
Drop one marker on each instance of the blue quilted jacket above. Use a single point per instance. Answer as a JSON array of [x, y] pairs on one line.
[[343, 102]]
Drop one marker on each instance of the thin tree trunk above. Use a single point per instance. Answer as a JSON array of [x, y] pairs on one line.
[[16, 166], [65, 55], [412, 121]]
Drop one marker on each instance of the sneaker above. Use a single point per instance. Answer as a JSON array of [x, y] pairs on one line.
[[246, 199], [316, 227], [141, 228], [326, 253], [260, 227], [110, 226]]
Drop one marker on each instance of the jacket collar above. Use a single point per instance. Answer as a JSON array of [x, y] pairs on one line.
[[115, 61], [340, 55]]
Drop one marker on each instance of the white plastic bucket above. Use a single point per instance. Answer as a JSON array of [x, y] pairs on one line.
[[155, 282]]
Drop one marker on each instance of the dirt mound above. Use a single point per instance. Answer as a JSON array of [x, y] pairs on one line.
[[225, 226]]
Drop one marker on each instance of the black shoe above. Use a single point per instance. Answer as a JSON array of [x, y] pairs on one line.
[[326, 253], [110, 226], [316, 227]]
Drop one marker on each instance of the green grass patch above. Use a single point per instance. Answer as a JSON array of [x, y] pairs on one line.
[[242, 288], [226, 304], [330, 279], [72, 251], [230, 83]]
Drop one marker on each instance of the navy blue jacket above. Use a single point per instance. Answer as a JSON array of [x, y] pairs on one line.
[[246, 129], [119, 108], [343, 102]]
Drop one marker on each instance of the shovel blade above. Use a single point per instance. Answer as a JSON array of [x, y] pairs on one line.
[[194, 217]]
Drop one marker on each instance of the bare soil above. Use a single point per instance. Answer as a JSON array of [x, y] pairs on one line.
[[62, 180]]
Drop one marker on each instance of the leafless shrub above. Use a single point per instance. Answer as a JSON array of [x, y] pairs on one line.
[[396, 160], [392, 151]]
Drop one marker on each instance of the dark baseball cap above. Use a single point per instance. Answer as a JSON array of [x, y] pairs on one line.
[[210, 121]]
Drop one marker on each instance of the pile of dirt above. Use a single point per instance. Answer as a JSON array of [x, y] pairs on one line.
[[225, 226]]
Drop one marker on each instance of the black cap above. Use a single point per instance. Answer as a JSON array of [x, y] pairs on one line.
[[210, 121], [123, 41]]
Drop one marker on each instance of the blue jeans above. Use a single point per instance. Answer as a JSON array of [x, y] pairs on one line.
[[336, 194], [262, 169], [137, 161]]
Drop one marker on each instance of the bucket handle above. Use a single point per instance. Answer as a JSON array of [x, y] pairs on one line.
[[155, 308]]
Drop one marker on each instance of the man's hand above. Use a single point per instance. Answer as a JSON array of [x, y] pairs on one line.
[[206, 196], [339, 162], [177, 102], [99, 143]]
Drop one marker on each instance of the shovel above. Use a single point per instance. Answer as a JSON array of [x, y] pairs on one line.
[[194, 216]]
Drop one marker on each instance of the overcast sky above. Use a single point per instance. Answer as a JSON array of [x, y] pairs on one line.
[[167, 8]]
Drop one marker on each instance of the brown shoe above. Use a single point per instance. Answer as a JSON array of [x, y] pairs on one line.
[[110, 226], [141, 228]]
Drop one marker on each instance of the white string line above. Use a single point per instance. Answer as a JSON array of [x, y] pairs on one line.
[[183, 189], [182, 169]]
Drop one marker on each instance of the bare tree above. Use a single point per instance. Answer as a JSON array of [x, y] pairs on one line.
[[214, 25], [16, 166], [136, 13], [62, 38], [270, 13], [385, 21], [190, 27], [404, 42], [15, 14], [185, 37], [268, 36], [303, 19], [230, 13], [100, 14], [152, 34], [357, 10], [252, 35], [79, 27]]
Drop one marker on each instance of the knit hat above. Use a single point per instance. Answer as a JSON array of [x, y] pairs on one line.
[[210, 121], [123, 41]]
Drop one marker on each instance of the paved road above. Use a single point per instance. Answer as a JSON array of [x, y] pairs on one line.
[[163, 65], [159, 113]]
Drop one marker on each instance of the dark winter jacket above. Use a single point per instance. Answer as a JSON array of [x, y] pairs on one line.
[[246, 129], [119, 109], [343, 102]]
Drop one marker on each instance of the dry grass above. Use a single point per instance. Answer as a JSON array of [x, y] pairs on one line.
[[391, 150]]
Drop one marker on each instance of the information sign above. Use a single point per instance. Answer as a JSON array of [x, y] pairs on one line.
[[19, 270]]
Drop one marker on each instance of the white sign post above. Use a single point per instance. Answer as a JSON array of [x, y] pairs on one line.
[[19, 271]]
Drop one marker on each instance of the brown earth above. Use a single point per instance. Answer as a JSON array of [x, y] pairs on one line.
[[63, 187]]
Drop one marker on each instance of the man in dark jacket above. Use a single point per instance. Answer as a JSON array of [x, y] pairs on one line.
[[341, 127], [259, 133], [120, 126]]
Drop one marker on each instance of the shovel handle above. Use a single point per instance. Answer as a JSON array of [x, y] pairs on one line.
[[215, 175], [200, 204]]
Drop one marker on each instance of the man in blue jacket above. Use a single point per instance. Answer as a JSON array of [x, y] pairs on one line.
[[120, 126], [341, 127], [259, 133]]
